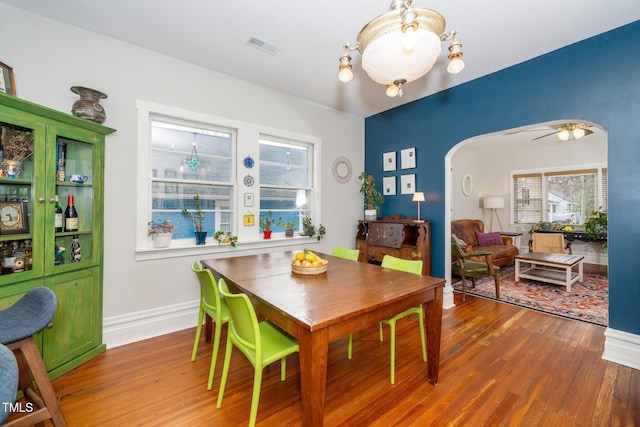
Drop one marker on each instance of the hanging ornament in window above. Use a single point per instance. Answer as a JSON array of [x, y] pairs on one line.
[[193, 162]]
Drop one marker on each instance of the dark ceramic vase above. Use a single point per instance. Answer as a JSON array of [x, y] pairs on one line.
[[88, 106], [201, 237]]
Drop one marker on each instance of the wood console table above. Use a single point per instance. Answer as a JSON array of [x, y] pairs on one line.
[[399, 237]]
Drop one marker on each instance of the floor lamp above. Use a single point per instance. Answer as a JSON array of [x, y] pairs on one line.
[[494, 203]]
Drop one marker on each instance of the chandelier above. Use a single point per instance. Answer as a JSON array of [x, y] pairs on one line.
[[401, 46]]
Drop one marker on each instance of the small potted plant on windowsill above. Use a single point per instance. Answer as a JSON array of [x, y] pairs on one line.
[[266, 222], [597, 225], [310, 230], [372, 197], [161, 232], [197, 219], [225, 237], [289, 227]]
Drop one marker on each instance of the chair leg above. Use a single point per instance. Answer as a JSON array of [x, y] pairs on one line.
[[473, 282], [392, 351], [380, 331], [464, 288], [198, 330], [225, 371], [32, 370], [422, 332], [497, 282], [214, 354], [283, 368], [255, 397], [350, 347]]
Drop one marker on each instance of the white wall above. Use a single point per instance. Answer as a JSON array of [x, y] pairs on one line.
[[143, 299]]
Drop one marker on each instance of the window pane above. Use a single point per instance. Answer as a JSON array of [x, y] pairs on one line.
[[527, 207], [284, 164], [286, 204], [570, 198]]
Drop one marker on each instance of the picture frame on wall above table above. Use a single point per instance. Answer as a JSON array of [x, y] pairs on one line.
[[14, 217], [389, 161], [408, 184], [389, 186], [7, 82], [408, 158]]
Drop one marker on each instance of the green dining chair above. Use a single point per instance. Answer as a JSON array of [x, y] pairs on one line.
[[409, 266], [216, 308], [262, 343], [350, 254]]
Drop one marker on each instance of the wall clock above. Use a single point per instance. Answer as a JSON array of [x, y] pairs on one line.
[[13, 218], [341, 169], [249, 180]]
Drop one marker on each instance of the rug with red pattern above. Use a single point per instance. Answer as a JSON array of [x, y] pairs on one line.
[[587, 301]]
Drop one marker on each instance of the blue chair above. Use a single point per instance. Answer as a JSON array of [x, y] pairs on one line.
[[8, 380], [18, 323], [216, 308]]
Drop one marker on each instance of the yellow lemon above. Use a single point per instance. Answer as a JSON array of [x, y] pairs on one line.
[[300, 256]]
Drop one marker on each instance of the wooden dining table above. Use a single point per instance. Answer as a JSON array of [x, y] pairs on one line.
[[317, 309]]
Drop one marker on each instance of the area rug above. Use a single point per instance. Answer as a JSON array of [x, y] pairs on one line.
[[587, 301]]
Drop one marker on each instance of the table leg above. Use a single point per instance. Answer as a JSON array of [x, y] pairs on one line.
[[580, 272], [314, 349], [568, 270], [517, 270], [433, 326]]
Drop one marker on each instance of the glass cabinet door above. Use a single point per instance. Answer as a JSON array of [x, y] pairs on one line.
[[21, 237], [72, 170]]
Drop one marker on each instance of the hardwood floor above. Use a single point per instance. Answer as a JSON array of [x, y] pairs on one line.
[[500, 365]]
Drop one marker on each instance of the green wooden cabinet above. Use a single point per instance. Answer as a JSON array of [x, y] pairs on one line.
[[32, 252]]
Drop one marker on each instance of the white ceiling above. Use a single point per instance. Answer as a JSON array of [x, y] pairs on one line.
[[213, 34]]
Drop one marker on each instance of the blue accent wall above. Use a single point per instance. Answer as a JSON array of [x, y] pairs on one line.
[[597, 79]]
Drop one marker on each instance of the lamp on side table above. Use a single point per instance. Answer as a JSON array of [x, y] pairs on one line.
[[418, 197], [494, 203]]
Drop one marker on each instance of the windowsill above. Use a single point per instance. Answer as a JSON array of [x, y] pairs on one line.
[[213, 248]]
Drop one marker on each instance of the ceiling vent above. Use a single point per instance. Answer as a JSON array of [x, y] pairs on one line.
[[263, 45]]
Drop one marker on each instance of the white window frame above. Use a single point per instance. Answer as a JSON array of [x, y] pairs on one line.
[[601, 189], [247, 143]]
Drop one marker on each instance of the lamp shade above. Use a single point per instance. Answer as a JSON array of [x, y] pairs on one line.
[[494, 202], [418, 196]]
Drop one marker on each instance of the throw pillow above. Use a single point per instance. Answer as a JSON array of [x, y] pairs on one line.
[[485, 239]]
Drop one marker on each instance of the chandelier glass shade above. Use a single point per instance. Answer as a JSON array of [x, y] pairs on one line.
[[401, 46]]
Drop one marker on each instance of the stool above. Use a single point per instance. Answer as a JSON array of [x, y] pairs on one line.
[[8, 381], [18, 323]]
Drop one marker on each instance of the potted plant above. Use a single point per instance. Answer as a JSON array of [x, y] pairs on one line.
[[266, 221], [310, 230], [197, 219], [289, 227], [161, 232], [225, 237], [372, 198], [597, 224]]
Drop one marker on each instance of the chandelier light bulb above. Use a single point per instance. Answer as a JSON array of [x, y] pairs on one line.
[[345, 75], [392, 90], [409, 40], [455, 66]]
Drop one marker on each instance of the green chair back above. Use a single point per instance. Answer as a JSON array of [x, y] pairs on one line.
[[216, 308], [262, 343], [350, 254], [406, 265]]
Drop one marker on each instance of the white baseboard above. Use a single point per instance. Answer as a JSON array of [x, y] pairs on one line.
[[132, 327], [622, 347], [447, 297]]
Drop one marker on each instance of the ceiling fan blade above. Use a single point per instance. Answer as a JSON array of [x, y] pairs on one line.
[[544, 136]]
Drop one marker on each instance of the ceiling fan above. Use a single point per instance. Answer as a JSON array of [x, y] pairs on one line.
[[569, 131]]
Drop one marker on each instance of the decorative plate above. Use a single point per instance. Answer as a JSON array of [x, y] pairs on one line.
[[249, 180], [341, 169], [249, 162]]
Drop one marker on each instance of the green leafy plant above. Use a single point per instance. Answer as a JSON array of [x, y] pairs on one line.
[[372, 197], [163, 226], [291, 224], [197, 216], [225, 237], [266, 221], [597, 224], [310, 230]]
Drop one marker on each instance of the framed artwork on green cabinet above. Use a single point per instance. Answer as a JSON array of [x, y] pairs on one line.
[[14, 217], [7, 84]]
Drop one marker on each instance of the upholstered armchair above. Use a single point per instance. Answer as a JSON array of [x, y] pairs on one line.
[[502, 250]]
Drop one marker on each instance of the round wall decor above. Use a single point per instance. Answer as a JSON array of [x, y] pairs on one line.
[[467, 184], [249, 180], [341, 169]]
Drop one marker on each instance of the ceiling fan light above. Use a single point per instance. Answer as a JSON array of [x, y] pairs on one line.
[[564, 135], [409, 40], [578, 133]]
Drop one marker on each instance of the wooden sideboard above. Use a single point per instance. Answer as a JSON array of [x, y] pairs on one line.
[[399, 237]]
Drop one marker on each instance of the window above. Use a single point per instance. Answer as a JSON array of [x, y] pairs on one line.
[[565, 196], [285, 179], [183, 153], [189, 159]]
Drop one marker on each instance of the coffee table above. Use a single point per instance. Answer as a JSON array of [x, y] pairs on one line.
[[551, 268]]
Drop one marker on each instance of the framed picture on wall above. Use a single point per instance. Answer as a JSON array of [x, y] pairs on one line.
[[14, 217], [248, 200], [389, 186], [7, 84], [408, 184], [408, 158], [389, 161]]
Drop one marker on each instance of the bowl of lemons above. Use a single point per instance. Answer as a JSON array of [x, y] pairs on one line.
[[308, 263]]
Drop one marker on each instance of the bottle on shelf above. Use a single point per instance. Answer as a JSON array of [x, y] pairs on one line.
[[61, 161], [76, 252], [59, 218], [70, 215]]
